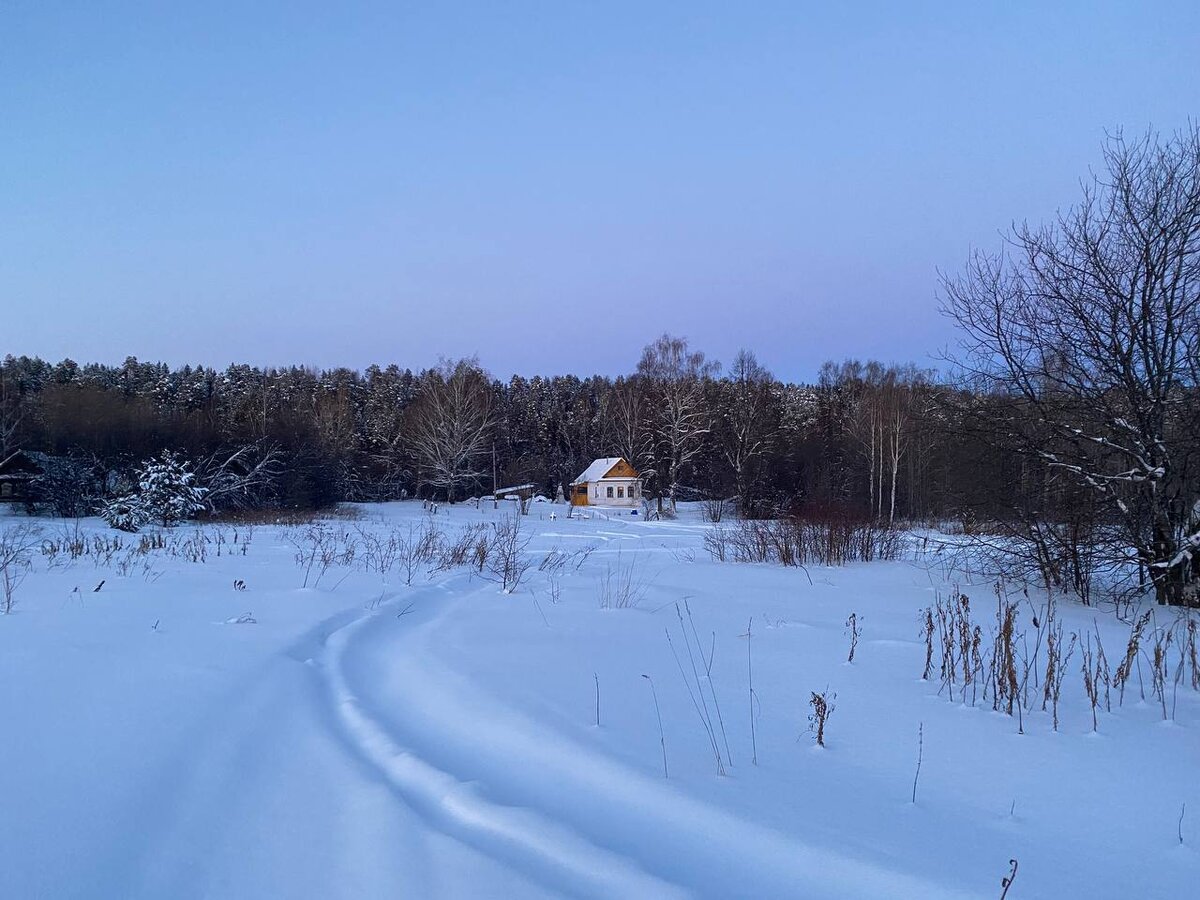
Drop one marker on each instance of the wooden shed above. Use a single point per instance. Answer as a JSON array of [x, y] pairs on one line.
[[17, 473]]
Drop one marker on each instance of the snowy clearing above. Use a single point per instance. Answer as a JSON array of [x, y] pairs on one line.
[[176, 734]]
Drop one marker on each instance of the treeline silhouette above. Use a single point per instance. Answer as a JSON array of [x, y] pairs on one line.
[[875, 437]]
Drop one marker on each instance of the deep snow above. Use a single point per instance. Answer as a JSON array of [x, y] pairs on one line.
[[368, 738]]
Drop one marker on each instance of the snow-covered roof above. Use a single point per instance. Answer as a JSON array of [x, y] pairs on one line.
[[515, 489], [32, 459], [598, 469]]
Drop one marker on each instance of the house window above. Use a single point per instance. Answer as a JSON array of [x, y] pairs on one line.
[[621, 492], [632, 491], [609, 490], [6, 490]]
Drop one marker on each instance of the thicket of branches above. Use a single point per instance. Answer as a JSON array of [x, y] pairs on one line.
[[1082, 343]]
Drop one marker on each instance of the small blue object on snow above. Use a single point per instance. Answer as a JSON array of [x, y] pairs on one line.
[[633, 512]]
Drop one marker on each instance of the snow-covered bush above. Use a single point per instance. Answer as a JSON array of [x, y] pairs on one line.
[[124, 513], [69, 486], [166, 494]]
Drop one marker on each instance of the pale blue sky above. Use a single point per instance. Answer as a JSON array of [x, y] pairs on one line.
[[548, 184]]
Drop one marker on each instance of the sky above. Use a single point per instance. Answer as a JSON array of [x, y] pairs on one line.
[[547, 185]]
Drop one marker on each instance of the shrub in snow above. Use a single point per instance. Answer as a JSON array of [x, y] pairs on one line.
[[166, 494], [17, 545], [69, 485], [507, 561], [124, 513]]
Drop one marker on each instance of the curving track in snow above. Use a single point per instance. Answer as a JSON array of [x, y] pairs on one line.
[[561, 814]]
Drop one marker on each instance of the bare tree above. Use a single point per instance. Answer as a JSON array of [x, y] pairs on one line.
[[745, 426], [1087, 333], [12, 413], [902, 399], [867, 423], [626, 422], [450, 424], [238, 479], [674, 377], [885, 404]]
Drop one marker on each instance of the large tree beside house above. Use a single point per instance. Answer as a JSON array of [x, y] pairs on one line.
[[627, 423], [673, 377]]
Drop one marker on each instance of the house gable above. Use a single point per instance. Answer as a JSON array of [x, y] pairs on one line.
[[596, 470], [622, 469]]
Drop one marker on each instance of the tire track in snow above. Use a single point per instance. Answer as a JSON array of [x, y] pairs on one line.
[[256, 802], [541, 848], [263, 800], [616, 833]]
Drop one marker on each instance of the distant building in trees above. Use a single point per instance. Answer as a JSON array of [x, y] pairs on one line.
[[608, 481], [17, 474], [522, 494]]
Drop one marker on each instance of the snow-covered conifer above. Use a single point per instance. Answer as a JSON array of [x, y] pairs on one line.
[[166, 493], [167, 490]]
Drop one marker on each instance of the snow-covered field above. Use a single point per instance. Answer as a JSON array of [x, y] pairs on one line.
[[367, 738]]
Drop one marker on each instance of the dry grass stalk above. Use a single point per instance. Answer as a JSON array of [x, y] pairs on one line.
[[855, 631], [1132, 649], [822, 708]]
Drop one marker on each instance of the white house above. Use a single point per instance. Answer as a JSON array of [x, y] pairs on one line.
[[609, 481]]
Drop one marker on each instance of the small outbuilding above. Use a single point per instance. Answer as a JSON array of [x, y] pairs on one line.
[[522, 492], [609, 481], [17, 474]]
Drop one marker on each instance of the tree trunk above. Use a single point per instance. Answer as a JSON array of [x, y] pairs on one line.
[[895, 469]]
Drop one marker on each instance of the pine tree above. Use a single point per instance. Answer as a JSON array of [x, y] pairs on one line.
[[166, 493], [167, 490]]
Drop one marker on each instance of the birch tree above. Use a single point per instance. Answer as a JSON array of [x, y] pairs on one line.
[[451, 422], [882, 408], [674, 377]]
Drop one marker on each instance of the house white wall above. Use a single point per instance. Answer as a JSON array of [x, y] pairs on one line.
[[626, 492]]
